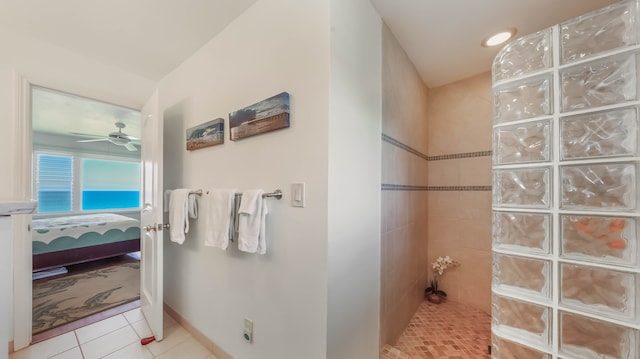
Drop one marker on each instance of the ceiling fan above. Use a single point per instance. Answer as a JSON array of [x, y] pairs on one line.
[[117, 138]]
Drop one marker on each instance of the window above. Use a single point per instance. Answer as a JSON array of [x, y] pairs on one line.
[[54, 183], [74, 183], [110, 184]]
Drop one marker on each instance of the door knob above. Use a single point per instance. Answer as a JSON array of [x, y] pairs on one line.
[[150, 228]]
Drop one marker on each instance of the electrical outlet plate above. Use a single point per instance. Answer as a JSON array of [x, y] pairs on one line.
[[297, 194], [247, 330]]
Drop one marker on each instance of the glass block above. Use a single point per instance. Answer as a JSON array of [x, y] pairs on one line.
[[523, 99], [604, 82], [609, 28], [506, 349], [521, 187], [600, 291], [608, 186], [600, 134], [525, 232], [524, 55], [587, 338], [521, 275], [611, 240], [526, 142], [525, 321]]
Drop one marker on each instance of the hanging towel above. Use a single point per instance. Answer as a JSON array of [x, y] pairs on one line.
[[216, 207], [178, 214], [167, 198], [251, 222], [192, 205]]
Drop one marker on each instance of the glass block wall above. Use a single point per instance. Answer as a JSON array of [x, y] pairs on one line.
[[566, 184]]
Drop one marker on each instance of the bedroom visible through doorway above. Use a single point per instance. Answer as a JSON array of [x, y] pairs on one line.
[[86, 232]]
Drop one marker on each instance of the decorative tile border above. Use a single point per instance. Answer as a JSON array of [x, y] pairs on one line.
[[460, 188], [393, 141], [456, 156], [401, 187]]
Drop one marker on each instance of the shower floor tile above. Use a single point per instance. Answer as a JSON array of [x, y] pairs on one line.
[[447, 331]]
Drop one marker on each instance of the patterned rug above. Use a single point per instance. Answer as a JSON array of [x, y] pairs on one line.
[[57, 301]]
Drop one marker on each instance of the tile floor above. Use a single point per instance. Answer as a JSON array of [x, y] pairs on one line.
[[444, 331], [118, 337]]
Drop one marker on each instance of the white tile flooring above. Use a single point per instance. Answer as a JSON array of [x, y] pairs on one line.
[[118, 337]]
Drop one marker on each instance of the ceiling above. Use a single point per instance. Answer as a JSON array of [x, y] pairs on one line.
[[65, 114], [442, 38]]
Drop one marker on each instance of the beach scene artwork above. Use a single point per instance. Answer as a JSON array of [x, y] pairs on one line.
[[207, 134], [265, 116]]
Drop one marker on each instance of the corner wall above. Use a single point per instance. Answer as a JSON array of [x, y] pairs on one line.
[[353, 313], [404, 191], [460, 119]]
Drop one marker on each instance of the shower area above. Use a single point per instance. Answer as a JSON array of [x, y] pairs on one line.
[[436, 184], [528, 177]]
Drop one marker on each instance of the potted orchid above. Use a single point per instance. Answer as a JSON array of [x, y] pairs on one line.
[[433, 293]]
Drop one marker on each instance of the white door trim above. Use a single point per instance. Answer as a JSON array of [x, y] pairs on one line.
[[22, 267]]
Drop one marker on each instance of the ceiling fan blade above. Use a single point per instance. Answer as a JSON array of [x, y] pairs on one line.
[[130, 147], [94, 140], [84, 134]]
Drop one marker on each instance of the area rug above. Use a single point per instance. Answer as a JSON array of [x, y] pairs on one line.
[[57, 301]]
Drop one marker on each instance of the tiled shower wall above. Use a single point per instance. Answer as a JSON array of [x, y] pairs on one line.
[[436, 188], [404, 206], [459, 221]]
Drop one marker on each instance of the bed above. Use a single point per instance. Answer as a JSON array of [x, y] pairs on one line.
[[62, 241]]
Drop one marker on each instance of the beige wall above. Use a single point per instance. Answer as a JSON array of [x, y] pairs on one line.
[[404, 212], [460, 118]]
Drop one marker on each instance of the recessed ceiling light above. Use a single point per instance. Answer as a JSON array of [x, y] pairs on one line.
[[499, 38]]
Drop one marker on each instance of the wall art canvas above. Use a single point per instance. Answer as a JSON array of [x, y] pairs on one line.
[[265, 116], [207, 134]]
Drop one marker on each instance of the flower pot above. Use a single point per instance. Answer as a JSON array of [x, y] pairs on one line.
[[434, 298]]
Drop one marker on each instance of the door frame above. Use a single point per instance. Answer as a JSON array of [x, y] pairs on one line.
[[21, 265], [22, 252]]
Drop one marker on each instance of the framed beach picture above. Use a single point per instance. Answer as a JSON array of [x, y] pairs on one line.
[[265, 116], [207, 134]]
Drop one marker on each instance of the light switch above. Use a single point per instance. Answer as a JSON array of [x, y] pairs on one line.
[[297, 194]]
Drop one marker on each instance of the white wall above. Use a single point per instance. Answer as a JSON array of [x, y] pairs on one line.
[[275, 46], [7, 134], [354, 180], [58, 68], [301, 292]]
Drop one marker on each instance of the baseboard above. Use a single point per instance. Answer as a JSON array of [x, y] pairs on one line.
[[197, 335]]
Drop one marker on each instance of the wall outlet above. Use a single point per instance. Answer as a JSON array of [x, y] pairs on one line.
[[247, 330]]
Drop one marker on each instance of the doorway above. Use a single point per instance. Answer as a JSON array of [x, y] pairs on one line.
[[86, 232]]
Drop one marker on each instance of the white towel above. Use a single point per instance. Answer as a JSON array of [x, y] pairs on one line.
[[167, 198], [251, 222], [192, 205], [216, 206], [178, 214]]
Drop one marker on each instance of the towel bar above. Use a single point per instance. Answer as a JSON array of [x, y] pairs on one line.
[[277, 194]]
